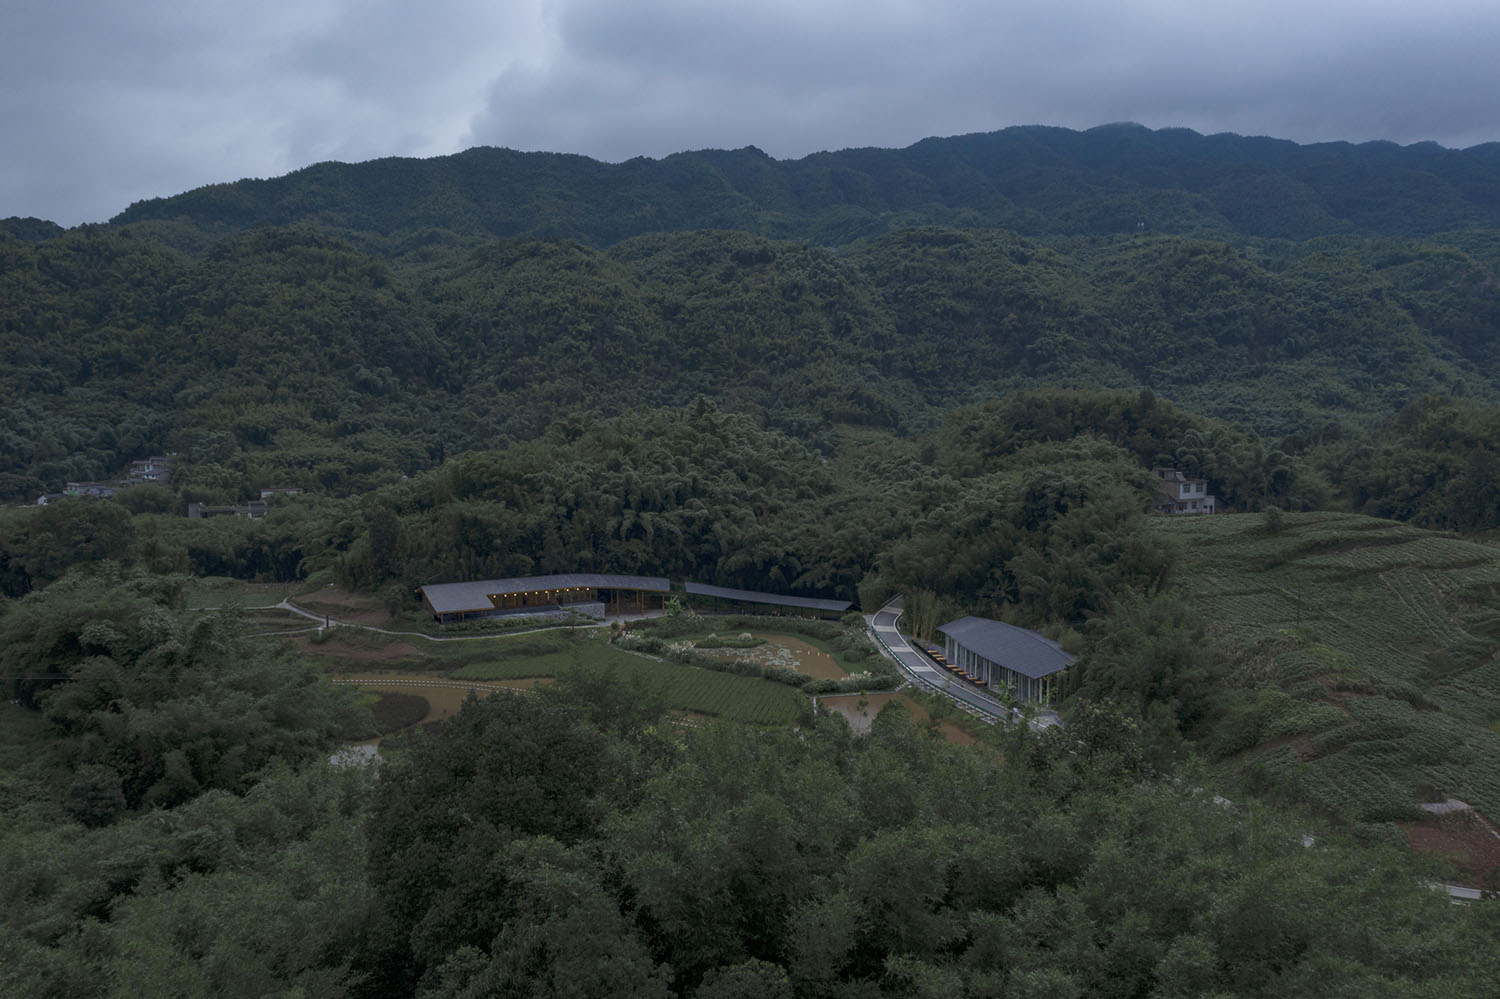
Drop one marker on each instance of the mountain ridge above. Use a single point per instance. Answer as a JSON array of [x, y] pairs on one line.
[[1035, 180]]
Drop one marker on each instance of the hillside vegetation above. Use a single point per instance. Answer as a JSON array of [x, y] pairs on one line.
[[945, 371], [1031, 180], [287, 357], [347, 324], [1362, 672]]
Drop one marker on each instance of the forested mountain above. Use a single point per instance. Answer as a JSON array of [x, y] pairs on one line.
[[288, 356], [945, 371], [1032, 180]]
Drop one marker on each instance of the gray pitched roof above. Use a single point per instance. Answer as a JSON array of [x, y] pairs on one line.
[[1024, 651], [453, 598], [755, 597]]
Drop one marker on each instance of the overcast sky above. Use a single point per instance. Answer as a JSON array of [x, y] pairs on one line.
[[105, 102]]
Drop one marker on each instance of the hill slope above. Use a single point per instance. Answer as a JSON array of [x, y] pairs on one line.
[[1033, 180], [1365, 665], [292, 341]]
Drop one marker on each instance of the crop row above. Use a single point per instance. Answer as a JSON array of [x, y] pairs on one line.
[[1265, 609], [1473, 776], [1357, 786], [1367, 764], [1416, 591], [1428, 552], [1368, 644], [1298, 717], [1480, 684], [1483, 574]]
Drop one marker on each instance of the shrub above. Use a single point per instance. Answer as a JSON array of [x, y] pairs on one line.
[[518, 622], [670, 627], [745, 641], [649, 644], [686, 655], [1272, 520]]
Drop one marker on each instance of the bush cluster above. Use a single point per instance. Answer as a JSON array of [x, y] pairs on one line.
[[745, 641]]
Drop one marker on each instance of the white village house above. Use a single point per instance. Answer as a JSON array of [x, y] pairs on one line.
[[1181, 494]]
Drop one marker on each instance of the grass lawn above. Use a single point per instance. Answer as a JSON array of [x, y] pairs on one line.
[[261, 620], [553, 652], [790, 633], [342, 605], [687, 688], [204, 592]]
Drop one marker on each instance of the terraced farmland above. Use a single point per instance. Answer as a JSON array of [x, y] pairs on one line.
[[1363, 656]]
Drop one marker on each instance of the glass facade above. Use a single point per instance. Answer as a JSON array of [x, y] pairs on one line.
[[1001, 678]]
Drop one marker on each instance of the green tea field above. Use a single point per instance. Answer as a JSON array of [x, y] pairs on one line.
[[1364, 673]]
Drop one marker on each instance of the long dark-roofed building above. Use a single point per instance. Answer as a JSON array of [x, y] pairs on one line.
[[722, 597], [584, 591], [1001, 654]]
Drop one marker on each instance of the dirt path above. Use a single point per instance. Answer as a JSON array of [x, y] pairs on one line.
[[1466, 838], [326, 620]]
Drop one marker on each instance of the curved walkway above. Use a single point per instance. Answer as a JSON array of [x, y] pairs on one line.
[[323, 621], [918, 668]]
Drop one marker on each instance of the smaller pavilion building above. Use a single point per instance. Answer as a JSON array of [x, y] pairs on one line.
[[1003, 655]]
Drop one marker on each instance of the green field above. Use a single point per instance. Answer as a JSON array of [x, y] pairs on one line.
[[560, 652], [204, 592], [687, 688], [1363, 656]]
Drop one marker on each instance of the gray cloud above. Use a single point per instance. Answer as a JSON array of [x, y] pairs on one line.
[[657, 77], [104, 103]]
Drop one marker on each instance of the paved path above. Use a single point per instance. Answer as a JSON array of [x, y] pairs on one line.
[[326, 621], [919, 668], [289, 606]]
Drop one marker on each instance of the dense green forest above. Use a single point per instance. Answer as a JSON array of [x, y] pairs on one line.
[[576, 843], [1030, 180], [320, 330], [970, 511], [945, 371], [289, 358]]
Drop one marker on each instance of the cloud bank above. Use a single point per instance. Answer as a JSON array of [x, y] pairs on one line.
[[105, 103]]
